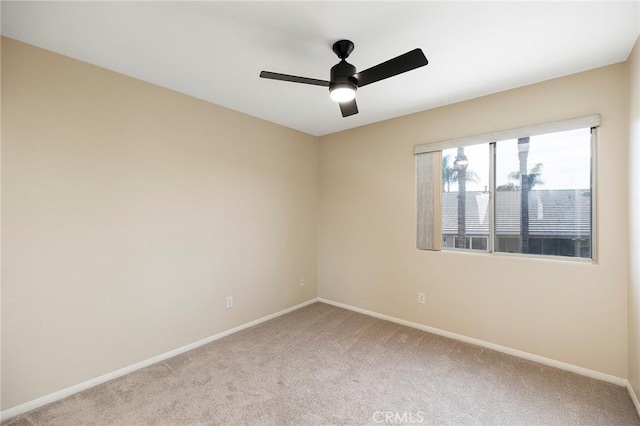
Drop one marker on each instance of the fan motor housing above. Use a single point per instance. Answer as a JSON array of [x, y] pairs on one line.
[[343, 74]]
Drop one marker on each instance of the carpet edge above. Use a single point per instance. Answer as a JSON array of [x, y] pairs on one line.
[[482, 343], [633, 396], [63, 393]]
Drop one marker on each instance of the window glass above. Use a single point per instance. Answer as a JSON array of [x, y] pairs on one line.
[[465, 197], [543, 194]]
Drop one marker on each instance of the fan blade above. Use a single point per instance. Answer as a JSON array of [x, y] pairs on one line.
[[403, 63], [348, 108], [293, 78]]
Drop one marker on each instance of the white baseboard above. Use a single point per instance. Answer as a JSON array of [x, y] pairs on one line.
[[634, 397], [477, 342], [55, 396]]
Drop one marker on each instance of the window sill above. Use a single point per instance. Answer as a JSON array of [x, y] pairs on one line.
[[534, 257]]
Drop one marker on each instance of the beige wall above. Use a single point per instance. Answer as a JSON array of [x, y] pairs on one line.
[[633, 74], [567, 311], [130, 213]]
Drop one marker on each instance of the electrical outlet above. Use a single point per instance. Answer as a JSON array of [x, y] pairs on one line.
[[229, 302], [421, 298], [301, 282]]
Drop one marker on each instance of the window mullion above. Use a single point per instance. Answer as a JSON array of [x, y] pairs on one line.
[[594, 223], [492, 197]]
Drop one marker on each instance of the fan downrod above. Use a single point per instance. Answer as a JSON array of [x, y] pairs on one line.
[[343, 48]]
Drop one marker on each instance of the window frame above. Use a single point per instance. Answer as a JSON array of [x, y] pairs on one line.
[[592, 122], [471, 239]]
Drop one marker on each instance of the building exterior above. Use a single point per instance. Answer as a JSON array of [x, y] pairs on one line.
[[559, 221]]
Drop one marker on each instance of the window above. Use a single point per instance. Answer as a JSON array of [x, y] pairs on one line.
[[526, 191], [465, 197], [543, 194]]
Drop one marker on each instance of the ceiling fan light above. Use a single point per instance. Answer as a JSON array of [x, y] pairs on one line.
[[342, 93]]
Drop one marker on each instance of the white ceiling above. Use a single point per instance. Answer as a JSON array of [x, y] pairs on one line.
[[215, 50]]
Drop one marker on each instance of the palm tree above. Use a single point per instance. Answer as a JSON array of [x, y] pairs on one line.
[[533, 179], [450, 173], [526, 180], [521, 180], [458, 173], [460, 165]]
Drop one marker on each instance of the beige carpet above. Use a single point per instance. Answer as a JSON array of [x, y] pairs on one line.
[[324, 365]]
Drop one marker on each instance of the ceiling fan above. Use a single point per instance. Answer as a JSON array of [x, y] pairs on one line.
[[344, 79]]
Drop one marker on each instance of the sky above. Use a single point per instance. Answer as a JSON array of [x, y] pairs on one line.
[[565, 156]]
